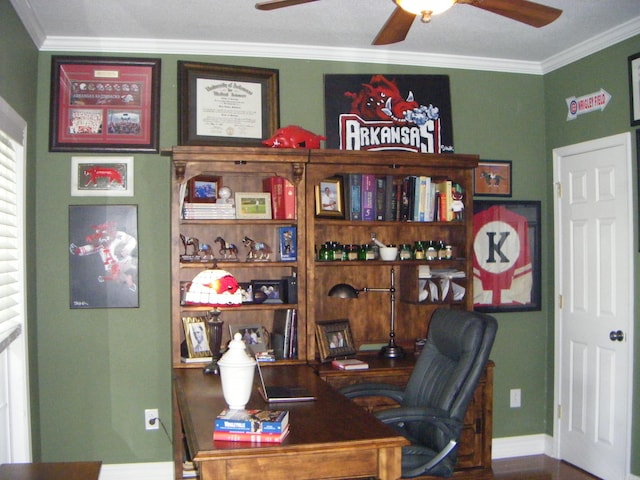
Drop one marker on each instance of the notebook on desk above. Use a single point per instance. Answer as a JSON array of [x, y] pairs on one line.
[[279, 393]]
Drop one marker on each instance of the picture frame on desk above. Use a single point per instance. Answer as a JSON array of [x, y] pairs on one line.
[[245, 112], [334, 339], [255, 337], [195, 334], [104, 104], [330, 198], [203, 189]]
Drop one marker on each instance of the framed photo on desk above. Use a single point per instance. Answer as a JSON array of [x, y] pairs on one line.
[[334, 339]]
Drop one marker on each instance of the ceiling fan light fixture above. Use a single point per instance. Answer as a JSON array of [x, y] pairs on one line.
[[425, 8]]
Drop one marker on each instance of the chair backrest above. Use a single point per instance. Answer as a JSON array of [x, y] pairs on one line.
[[450, 365]]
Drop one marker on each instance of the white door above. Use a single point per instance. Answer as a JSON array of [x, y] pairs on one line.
[[594, 287]]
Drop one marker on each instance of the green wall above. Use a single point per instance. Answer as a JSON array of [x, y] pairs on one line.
[[497, 115], [95, 371], [18, 82], [608, 70]]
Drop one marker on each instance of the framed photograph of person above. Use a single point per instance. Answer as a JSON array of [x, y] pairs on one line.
[[253, 205], [102, 176], [506, 256], [334, 339], [256, 337], [330, 198], [226, 104], [492, 178], [266, 291], [203, 189], [103, 104], [195, 334]]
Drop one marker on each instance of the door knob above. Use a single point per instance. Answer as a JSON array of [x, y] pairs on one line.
[[616, 335]]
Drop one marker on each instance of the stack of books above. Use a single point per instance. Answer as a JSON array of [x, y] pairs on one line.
[[206, 211], [268, 426]]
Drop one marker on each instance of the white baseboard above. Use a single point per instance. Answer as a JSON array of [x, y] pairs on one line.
[[521, 446], [139, 471]]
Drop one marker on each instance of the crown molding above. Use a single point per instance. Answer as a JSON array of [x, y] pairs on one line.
[[593, 45], [30, 21], [296, 52]]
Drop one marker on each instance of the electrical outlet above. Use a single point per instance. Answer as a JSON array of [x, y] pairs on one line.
[[151, 420], [515, 398]]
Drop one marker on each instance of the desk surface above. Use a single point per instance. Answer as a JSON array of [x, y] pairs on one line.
[[50, 471], [332, 426]]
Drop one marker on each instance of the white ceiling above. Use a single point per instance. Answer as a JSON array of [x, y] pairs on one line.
[[465, 36]]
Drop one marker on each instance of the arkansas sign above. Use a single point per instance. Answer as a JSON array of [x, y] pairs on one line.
[[388, 112]]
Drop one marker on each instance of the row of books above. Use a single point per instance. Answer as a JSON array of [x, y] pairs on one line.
[[412, 198], [205, 211], [269, 426], [284, 338]]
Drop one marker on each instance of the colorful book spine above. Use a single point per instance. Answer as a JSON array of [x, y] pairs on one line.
[[250, 437], [368, 196], [354, 196], [381, 197]]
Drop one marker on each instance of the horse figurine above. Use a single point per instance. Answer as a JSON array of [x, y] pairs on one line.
[[227, 249], [258, 251], [193, 241]]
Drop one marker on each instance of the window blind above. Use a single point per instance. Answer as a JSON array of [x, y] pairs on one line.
[[9, 268]]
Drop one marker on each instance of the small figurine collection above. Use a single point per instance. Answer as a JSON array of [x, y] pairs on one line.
[[198, 252]]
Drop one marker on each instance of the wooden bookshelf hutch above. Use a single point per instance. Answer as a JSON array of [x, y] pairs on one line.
[[243, 169]]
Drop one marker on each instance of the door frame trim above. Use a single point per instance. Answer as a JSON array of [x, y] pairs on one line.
[[624, 140]]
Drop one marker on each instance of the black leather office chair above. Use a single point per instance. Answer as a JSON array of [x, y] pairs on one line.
[[441, 386]]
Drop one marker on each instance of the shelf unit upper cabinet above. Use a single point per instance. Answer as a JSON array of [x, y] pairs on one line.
[[369, 314], [242, 170]]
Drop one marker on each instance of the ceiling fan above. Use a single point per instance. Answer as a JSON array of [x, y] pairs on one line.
[[397, 26]]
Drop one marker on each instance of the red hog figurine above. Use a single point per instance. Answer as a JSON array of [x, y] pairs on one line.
[[294, 137]]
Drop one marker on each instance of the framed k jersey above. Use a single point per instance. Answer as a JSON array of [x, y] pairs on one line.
[[506, 256]]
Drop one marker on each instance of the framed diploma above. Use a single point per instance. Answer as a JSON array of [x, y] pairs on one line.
[[104, 104], [226, 105]]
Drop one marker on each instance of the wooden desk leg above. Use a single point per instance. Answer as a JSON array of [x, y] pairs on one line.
[[390, 463], [216, 470]]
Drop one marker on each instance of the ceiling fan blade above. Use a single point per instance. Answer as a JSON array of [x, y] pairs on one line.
[[273, 4], [524, 11], [396, 28]]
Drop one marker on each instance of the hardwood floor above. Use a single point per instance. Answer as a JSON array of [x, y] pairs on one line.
[[537, 467]]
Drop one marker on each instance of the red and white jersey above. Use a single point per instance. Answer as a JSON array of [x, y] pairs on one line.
[[502, 271]]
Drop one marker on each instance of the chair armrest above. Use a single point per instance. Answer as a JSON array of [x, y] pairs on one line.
[[373, 390], [403, 415]]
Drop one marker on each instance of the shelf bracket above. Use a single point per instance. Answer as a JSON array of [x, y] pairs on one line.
[[298, 171], [180, 168]]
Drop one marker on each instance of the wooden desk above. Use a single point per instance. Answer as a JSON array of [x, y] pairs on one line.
[[50, 471], [329, 438]]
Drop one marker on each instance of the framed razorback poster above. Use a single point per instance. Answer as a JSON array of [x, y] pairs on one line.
[[388, 112]]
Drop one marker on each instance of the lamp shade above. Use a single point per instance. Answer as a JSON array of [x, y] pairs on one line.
[[213, 288], [420, 7], [343, 290]]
